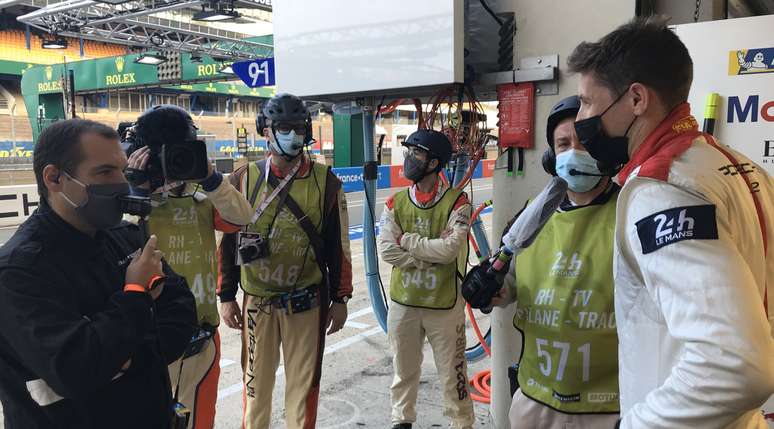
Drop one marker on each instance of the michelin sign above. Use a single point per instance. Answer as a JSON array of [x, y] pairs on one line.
[[751, 61]]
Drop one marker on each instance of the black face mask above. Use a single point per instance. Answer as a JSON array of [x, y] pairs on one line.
[[611, 153], [414, 169], [102, 208]]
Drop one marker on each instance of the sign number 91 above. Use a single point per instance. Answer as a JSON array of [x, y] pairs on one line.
[[256, 73], [255, 70]]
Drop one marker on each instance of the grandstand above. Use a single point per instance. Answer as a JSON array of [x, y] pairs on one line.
[[13, 47]]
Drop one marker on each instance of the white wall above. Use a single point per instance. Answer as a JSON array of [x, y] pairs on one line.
[[543, 27]]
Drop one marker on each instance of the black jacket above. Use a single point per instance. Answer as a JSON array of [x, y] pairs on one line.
[[67, 328]]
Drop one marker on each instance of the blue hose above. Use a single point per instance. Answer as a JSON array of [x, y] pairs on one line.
[[369, 231]]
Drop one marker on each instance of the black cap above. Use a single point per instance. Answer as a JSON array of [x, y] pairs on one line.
[[435, 142], [566, 108]]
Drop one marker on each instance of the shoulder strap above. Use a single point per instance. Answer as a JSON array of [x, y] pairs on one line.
[[303, 220], [332, 186], [261, 165]]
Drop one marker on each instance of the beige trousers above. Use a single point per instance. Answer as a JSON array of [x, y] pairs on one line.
[[407, 329], [526, 413], [265, 331]]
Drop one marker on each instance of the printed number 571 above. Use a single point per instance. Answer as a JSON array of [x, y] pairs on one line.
[[546, 363]]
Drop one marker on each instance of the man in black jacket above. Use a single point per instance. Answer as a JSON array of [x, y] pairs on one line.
[[90, 316]]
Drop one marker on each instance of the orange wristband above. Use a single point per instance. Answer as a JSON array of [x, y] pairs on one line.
[[131, 287]]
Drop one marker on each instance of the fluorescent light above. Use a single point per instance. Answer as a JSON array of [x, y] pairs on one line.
[[56, 43], [227, 70], [151, 59], [215, 15]]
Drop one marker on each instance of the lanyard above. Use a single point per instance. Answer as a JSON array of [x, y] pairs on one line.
[[268, 199]]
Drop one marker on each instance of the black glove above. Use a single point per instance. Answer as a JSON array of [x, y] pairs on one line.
[[136, 177], [479, 286]]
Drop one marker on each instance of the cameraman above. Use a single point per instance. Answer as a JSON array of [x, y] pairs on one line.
[[185, 222], [298, 284], [87, 327], [567, 272]]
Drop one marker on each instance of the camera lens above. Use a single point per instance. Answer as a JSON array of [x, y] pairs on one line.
[[248, 253], [185, 160], [180, 161]]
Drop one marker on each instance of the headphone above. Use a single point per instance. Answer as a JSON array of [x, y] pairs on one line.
[[549, 161], [566, 108]]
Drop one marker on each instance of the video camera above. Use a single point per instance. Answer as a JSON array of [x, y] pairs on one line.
[[175, 152]]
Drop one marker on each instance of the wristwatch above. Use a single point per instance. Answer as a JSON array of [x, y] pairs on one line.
[[152, 284], [342, 300]]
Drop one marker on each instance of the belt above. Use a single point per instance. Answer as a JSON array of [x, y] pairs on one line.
[[294, 302]]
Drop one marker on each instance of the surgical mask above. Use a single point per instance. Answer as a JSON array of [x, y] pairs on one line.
[[611, 153], [288, 144], [578, 169], [414, 169], [102, 208]]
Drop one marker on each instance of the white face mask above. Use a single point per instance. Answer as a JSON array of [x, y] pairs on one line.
[[287, 144], [578, 161]]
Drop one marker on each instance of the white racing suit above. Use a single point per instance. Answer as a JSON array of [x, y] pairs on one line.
[[691, 278]]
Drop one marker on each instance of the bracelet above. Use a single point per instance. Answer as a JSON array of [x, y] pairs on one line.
[[132, 287]]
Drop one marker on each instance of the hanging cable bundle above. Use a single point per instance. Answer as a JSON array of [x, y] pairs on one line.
[[461, 118]]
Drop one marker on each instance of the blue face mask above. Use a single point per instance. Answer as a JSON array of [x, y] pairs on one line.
[[571, 164], [289, 144]]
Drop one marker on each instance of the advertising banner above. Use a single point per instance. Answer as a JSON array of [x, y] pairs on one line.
[[735, 59], [17, 203], [352, 178]]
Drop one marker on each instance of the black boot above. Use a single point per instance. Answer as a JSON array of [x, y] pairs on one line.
[[402, 426]]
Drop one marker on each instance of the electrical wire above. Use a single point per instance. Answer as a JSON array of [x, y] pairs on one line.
[[463, 123]]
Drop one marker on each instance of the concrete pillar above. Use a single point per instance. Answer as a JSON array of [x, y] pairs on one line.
[[545, 27]]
